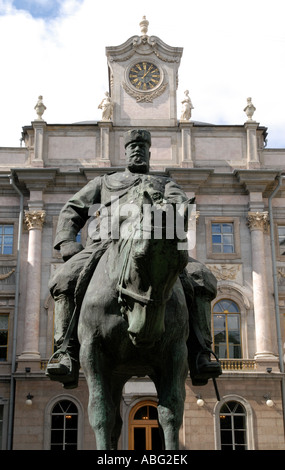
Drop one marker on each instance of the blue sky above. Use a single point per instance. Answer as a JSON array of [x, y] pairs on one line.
[[45, 9], [39, 8], [232, 51]]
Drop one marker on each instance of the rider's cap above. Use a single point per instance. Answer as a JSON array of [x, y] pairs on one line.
[[137, 135]]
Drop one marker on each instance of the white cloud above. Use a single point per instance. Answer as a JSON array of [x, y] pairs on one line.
[[232, 50]]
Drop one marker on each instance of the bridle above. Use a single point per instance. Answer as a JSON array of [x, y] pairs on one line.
[[124, 291]]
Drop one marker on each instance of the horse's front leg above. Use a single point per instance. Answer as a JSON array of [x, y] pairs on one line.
[[101, 410], [170, 386]]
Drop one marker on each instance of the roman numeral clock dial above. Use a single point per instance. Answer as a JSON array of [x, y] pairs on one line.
[[144, 76]]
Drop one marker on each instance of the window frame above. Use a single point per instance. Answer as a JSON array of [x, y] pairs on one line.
[[14, 223], [226, 331], [278, 223], [48, 419], [231, 414], [242, 297], [236, 237], [248, 420], [63, 429], [4, 442], [8, 336]]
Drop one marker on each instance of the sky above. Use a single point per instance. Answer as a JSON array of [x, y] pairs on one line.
[[232, 50]]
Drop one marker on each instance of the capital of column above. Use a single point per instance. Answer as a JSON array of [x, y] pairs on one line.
[[258, 221], [35, 219]]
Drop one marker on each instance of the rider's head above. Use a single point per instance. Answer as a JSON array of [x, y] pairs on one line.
[[137, 145]]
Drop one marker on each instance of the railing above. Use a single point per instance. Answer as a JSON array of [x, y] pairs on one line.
[[227, 364], [238, 364]]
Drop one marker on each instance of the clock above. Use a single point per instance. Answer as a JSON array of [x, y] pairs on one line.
[[144, 76]]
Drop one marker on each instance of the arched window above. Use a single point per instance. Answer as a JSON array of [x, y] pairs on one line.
[[233, 432], [64, 426], [226, 329], [143, 427]]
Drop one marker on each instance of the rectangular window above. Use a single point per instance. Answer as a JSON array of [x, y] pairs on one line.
[[6, 239], [4, 320], [223, 237], [281, 239]]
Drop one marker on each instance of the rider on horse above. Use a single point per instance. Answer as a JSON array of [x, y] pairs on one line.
[[71, 279]]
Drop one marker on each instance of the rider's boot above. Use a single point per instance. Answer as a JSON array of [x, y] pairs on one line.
[[202, 367], [64, 366]]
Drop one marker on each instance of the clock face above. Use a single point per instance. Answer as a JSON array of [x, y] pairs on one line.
[[144, 76]]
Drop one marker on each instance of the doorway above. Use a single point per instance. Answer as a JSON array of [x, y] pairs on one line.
[[144, 432]]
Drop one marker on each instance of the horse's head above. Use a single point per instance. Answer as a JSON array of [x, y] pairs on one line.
[[152, 259]]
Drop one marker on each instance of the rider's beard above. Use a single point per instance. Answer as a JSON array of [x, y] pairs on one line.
[[137, 164]]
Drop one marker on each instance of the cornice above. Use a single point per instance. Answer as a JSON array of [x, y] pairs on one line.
[[144, 45], [35, 178], [190, 178], [262, 180]]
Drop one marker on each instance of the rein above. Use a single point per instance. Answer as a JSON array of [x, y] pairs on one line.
[[123, 291]]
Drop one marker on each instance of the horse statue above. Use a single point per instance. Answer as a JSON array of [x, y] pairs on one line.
[[134, 321]]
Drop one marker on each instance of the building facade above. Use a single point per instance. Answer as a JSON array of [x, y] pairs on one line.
[[238, 232]]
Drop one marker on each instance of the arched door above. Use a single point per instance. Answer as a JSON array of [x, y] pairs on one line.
[[144, 432]]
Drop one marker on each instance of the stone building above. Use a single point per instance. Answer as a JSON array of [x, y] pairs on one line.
[[240, 233]]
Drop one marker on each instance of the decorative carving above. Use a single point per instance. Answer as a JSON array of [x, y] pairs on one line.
[[249, 110], [40, 108], [107, 106], [144, 25], [225, 272], [6, 275], [281, 275], [258, 221], [145, 97], [35, 219], [166, 59], [144, 45], [187, 107]]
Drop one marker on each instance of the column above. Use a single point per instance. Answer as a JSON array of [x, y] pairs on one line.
[[258, 223], [34, 220]]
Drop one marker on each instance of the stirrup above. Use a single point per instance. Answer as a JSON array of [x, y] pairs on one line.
[[200, 379], [60, 377]]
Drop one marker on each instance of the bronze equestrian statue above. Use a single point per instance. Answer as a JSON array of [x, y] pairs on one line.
[[127, 305]]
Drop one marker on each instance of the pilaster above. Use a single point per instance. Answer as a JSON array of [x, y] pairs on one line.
[[105, 128], [39, 130], [252, 148], [186, 144]]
